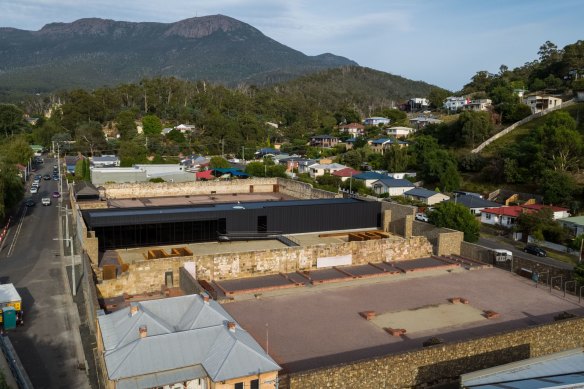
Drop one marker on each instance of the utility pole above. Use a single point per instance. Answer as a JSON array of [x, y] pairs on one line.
[[222, 148]]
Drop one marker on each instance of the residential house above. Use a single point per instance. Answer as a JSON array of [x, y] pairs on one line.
[[381, 145], [478, 105], [355, 129], [417, 104], [502, 216], [574, 224], [166, 131], [539, 103], [369, 177], [324, 141], [399, 132], [428, 197], [296, 162], [346, 173], [266, 152], [350, 143], [401, 174], [474, 203], [180, 342], [376, 120], [71, 162], [184, 128], [423, 121], [194, 162], [320, 169], [455, 103], [105, 161], [391, 186], [229, 173], [303, 164], [557, 212]]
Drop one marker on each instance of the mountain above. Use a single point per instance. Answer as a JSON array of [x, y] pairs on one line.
[[95, 52]]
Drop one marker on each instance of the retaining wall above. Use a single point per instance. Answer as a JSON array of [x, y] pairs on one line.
[[443, 363]]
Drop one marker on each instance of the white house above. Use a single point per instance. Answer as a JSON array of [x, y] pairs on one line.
[[392, 186], [454, 103], [318, 169], [376, 120], [539, 103], [478, 105], [502, 216], [355, 129], [423, 121], [399, 132], [184, 128], [105, 161]]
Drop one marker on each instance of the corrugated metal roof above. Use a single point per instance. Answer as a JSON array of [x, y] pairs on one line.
[[471, 201], [370, 176], [551, 371], [421, 192], [395, 183], [182, 333], [8, 293]]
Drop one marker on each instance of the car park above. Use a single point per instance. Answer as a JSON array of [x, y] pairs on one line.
[[46, 201], [535, 250], [29, 203]]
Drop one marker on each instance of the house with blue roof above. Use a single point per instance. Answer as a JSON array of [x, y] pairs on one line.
[[229, 173], [266, 151], [426, 196], [380, 145], [391, 186], [369, 177]]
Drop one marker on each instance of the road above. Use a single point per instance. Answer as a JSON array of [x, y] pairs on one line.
[[48, 343], [495, 244]]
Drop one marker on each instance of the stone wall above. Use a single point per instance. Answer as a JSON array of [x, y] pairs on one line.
[[163, 189], [446, 362], [148, 275], [482, 254], [398, 221], [303, 190]]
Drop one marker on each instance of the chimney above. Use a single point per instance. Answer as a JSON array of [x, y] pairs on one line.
[[231, 326], [205, 298], [143, 331], [133, 309]]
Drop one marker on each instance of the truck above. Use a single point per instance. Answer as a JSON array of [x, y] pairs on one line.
[[11, 313]]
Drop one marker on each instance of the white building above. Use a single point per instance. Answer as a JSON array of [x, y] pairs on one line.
[[454, 103], [478, 105], [400, 132], [318, 169], [375, 121], [539, 103]]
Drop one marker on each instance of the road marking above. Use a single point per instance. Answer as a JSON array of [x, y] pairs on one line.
[[16, 233]]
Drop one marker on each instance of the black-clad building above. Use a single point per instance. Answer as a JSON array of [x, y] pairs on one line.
[[134, 227]]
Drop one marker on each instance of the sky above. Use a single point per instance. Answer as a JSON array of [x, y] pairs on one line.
[[442, 42]]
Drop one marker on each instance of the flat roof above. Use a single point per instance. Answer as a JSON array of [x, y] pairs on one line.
[[99, 217], [316, 326]]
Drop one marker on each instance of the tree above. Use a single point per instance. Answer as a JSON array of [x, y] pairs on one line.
[[437, 97], [91, 135], [126, 125], [256, 169], [219, 163], [457, 217], [151, 125], [11, 118], [353, 158], [11, 187], [16, 150], [557, 187], [562, 142], [132, 152], [396, 158]]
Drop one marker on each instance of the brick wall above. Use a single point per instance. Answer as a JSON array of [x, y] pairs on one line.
[[148, 275], [446, 362]]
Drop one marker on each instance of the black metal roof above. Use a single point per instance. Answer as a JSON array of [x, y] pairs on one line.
[[167, 214]]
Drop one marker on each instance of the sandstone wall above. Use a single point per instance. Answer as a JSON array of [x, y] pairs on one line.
[[303, 190], [148, 275], [443, 363], [151, 189], [398, 224]]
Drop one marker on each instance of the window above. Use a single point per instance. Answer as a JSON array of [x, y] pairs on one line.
[[238, 385], [488, 216], [254, 384]]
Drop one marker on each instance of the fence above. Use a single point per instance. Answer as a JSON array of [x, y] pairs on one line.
[[16, 367], [520, 123]]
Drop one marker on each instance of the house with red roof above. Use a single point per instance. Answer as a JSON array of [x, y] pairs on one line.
[[205, 175], [507, 216], [346, 173], [558, 212]]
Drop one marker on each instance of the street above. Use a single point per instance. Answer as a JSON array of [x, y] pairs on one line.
[[48, 342], [495, 244]]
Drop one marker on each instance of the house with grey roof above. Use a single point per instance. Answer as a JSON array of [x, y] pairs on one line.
[[474, 204], [392, 186], [189, 341], [105, 161], [428, 197]]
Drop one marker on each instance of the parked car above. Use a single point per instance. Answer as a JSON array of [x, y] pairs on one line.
[[56, 195], [34, 190], [535, 250], [37, 177], [29, 203], [46, 201], [422, 217], [46, 177], [55, 178]]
